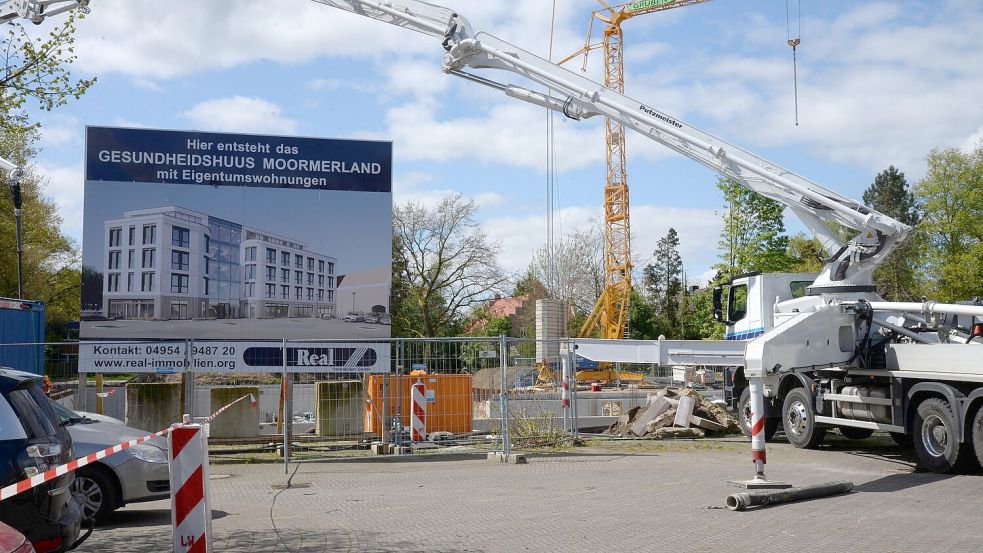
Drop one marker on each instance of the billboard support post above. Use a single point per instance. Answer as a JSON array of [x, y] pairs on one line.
[[81, 393], [287, 408], [99, 401]]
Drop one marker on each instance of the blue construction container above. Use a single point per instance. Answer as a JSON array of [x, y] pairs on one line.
[[22, 335]]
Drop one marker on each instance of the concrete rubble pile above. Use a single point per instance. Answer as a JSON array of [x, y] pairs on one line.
[[675, 413]]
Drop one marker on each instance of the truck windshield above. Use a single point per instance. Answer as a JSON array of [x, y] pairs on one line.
[[737, 303]]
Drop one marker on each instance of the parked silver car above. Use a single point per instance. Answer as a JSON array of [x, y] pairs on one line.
[[136, 474]]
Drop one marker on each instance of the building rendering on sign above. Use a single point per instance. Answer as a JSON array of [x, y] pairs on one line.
[[175, 263]]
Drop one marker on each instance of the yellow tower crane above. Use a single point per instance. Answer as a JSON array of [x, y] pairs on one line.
[[610, 313]]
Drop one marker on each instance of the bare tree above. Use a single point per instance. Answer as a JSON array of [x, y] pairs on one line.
[[574, 271], [449, 262]]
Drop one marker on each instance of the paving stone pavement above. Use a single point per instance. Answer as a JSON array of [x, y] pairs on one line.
[[618, 497]]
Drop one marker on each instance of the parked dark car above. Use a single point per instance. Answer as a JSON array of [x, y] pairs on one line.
[[32, 440], [12, 541]]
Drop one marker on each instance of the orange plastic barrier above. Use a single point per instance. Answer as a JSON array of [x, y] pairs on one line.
[[449, 411]]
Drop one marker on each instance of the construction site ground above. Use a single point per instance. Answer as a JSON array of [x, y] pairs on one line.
[[607, 496]]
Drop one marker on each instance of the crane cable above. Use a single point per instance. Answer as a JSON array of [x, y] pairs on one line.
[[551, 194], [794, 42]]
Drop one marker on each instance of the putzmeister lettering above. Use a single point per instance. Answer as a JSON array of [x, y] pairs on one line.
[[661, 117]]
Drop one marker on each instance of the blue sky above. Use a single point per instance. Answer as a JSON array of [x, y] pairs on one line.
[[880, 83]]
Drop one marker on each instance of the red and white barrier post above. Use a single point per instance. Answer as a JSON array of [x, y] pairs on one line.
[[758, 454], [418, 422], [565, 393], [191, 514]]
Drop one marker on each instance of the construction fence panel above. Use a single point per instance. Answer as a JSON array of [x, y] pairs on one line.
[[436, 396], [539, 408], [331, 398]]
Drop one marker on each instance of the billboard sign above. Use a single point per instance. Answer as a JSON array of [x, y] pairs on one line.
[[234, 357], [216, 236]]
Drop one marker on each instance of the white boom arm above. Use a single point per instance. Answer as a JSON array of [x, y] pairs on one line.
[[37, 10], [849, 265], [13, 171]]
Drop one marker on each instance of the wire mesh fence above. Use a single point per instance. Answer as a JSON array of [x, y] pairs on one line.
[[318, 400]]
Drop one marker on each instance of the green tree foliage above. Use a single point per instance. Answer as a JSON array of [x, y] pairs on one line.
[[701, 325], [951, 195], [805, 254], [642, 319], [753, 238], [52, 271], [896, 278], [663, 284], [447, 261], [36, 69]]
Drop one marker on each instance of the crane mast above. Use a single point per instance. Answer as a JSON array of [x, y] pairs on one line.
[[610, 313]]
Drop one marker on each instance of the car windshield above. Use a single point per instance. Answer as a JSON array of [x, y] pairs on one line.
[[65, 414]]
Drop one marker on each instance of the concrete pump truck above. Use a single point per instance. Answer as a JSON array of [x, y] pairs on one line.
[[811, 351]]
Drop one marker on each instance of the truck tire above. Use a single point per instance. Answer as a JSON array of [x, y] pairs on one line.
[[934, 436], [799, 420], [744, 417], [854, 433], [902, 439], [978, 436]]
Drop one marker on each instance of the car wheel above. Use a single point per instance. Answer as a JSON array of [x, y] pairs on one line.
[[799, 420], [854, 433], [95, 492], [935, 437], [744, 417]]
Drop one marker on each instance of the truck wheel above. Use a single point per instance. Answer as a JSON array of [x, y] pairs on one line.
[[854, 433], [935, 437], [744, 417], [799, 420], [978, 436], [902, 439]]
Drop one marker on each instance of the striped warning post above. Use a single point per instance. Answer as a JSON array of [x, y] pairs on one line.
[[418, 423], [758, 425], [191, 516]]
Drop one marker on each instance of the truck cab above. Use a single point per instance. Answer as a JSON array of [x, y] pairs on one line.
[[746, 304]]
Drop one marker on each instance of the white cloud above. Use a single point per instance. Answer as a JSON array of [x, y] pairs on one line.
[[974, 140], [61, 130], [240, 114], [411, 187], [64, 186], [505, 134], [698, 229], [873, 89]]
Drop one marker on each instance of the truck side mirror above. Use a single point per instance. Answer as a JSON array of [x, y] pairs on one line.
[[718, 304]]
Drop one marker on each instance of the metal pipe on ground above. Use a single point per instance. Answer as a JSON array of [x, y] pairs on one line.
[[743, 500]]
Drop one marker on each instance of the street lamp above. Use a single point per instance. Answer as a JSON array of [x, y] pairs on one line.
[[353, 301], [13, 181]]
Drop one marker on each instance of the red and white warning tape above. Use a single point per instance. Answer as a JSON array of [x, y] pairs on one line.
[[210, 418], [50, 474], [110, 393]]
